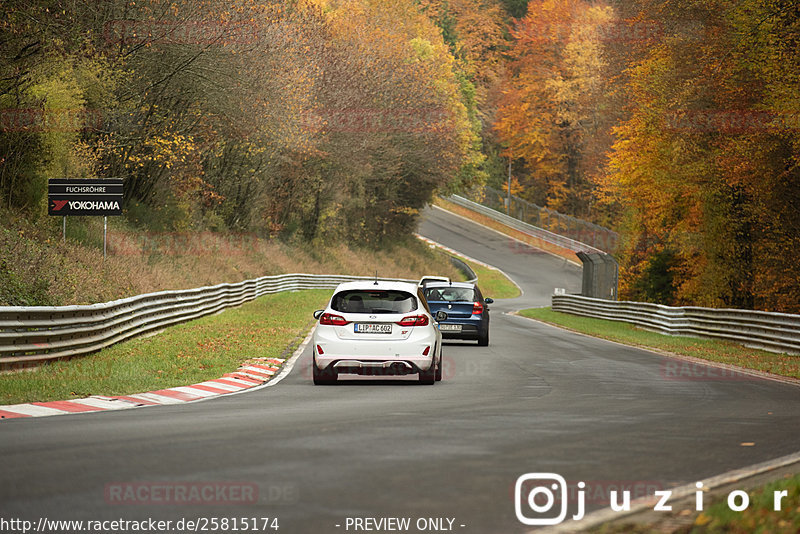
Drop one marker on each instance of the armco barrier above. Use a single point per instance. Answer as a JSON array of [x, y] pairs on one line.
[[776, 332], [30, 335], [534, 231], [562, 224], [465, 269]]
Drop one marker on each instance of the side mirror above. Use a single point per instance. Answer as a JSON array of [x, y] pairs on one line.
[[318, 314], [441, 315], [487, 300]]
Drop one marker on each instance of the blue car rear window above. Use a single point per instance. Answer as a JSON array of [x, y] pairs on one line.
[[449, 294]]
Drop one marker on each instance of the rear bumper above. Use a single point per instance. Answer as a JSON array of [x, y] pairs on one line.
[[377, 368], [470, 330], [392, 357]]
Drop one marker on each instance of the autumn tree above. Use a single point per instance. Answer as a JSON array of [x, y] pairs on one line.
[[706, 165], [305, 118], [552, 115]]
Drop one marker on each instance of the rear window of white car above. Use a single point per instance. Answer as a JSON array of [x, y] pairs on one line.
[[375, 302]]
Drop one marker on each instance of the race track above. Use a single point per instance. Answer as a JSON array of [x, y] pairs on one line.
[[538, 399]]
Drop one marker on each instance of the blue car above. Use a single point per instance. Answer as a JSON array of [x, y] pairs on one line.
[[467, 310]]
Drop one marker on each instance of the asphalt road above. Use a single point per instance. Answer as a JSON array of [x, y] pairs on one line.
[[538, 399]]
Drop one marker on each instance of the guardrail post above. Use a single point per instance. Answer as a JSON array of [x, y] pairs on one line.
[[612, 276]]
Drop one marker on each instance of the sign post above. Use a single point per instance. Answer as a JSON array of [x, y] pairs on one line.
[[85, 197], [508, 196]]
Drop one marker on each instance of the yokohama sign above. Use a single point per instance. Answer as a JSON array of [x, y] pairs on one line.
[[84, 197]]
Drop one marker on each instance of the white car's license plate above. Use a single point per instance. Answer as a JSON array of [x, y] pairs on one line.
[[373, 328], [450, 327]]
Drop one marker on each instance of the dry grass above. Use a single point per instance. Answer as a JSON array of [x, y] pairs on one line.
[[36, 268]]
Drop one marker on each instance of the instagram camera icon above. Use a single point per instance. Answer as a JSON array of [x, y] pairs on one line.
[[546, 484]]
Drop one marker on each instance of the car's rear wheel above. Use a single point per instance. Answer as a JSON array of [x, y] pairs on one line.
[[323, 377], [428, 377], [483, 339], [439, 371]]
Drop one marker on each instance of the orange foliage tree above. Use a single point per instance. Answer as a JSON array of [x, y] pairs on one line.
[[707, 163], [551, 115]]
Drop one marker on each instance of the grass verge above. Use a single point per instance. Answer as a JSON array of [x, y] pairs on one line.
[[759, 518], [706, 349], [493, 283], [199, 350]]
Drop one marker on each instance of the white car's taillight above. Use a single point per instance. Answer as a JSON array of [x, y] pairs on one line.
[[414, 320], [331, 319]]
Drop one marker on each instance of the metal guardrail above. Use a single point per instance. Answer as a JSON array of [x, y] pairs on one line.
[[775, 332], [561, 224], [30, 335], [533, 231], [465, 269]]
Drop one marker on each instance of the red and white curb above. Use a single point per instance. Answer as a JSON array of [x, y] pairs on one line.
[[252, 374]]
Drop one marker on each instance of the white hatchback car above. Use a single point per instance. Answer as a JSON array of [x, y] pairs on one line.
[[377, 328]]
